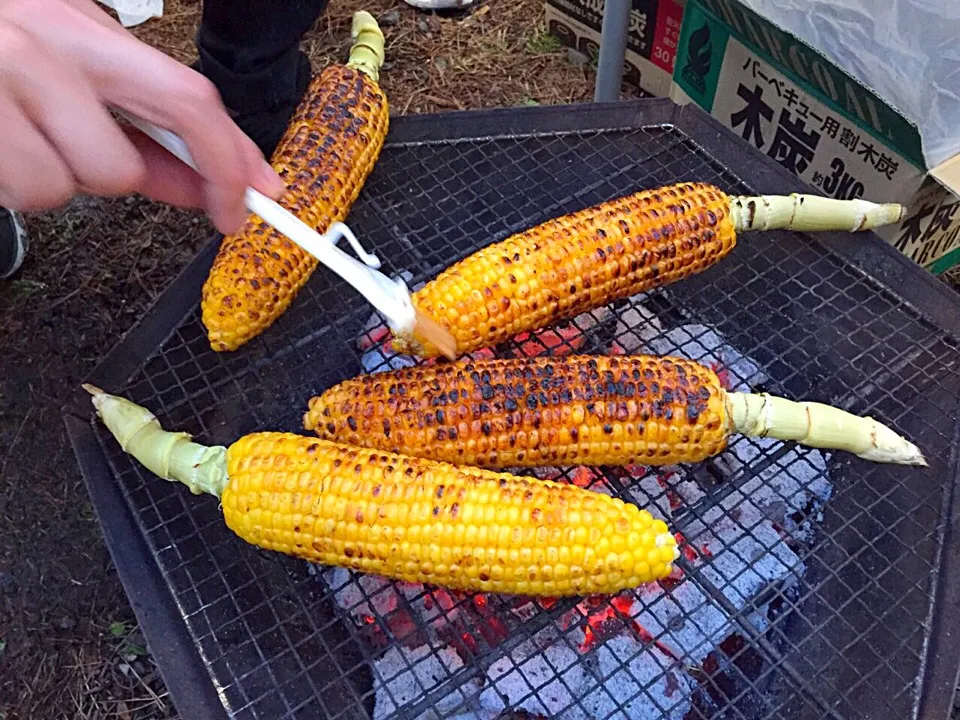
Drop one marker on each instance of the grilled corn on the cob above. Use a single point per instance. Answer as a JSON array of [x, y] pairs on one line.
[[578, 262], [330, 147], [406, 518], [578, 410]]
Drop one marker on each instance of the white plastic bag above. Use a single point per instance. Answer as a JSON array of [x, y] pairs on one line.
[[134, 12], [907, 51]]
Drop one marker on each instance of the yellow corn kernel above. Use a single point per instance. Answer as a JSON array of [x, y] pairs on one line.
[[329, 149], [575, 263], [529, 412], [581, 261], [465, 528]]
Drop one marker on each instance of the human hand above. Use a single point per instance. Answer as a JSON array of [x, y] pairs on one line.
[[62, 64]]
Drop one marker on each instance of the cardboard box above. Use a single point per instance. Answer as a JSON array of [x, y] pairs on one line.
[[651, 43], [815, 119]]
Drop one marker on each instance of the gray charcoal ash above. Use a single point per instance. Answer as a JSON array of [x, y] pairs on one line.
[[636, 327], [541, 675], [636, 683], [403, 675], [686, 622]]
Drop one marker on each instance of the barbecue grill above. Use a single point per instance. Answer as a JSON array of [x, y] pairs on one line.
[[811, 584]]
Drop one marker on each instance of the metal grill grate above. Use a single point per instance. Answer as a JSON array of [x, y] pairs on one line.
[[807, 583]]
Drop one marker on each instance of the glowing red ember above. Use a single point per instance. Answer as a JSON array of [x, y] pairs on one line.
[[672, 495], [561, 340], [372, 337], [723, 375]]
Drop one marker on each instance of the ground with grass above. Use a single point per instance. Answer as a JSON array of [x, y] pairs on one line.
[[69, 645]]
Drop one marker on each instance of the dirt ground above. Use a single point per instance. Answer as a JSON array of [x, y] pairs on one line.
[[69, 645]]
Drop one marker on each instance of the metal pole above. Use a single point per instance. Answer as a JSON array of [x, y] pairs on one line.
[[613, 49]]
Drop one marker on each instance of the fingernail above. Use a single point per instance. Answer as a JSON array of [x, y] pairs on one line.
[[272, 181]]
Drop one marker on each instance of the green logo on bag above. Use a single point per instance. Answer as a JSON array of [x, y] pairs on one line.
[[700, 49], [698, 57]]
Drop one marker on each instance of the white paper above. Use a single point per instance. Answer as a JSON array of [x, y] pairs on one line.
[[904, 50], [134, 12]]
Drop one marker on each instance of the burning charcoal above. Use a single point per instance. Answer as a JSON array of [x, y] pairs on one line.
[[404, 675], [581, 476], [526, 611], [700, 343], [562, 339], [374, 332], [744, 562], [378, 359], [434, 607], [375, 605], [360, 594], [636, 326], [539, 677], [662, 492], [465, 695], [637, 683], [684, 622], [481, 354], [796, 482], [680, 492]]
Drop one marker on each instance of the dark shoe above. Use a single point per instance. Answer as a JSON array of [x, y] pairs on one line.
[[13, 242], [260, 103]]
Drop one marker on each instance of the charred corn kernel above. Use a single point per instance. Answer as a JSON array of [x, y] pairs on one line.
[[331, 145], [456, 527], [578, 262], [578, 410], [585, 410]]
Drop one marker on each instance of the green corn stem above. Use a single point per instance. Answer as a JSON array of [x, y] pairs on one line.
[[820, 426], [366, 53], [810, 213], [170, 455]]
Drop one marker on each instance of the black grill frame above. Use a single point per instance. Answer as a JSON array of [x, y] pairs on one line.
[[864, 258]]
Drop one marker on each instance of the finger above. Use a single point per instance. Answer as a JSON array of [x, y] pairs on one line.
[[142, 80], [61, 104], [32, 177], [260, 176], [167, 179]]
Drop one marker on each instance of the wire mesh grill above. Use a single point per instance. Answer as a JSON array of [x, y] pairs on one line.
[[806, 582]]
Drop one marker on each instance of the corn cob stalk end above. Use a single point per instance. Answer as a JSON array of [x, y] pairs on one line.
[[811, 213], [366, 54], [169, 455], [821, 426]]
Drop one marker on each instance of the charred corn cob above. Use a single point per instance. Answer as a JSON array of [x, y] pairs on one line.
[[572, 264], [405, 518], [578, 410], [330, 147]]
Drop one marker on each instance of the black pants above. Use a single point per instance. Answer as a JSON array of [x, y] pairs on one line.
[[250, 49]]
